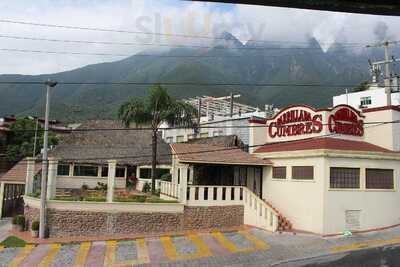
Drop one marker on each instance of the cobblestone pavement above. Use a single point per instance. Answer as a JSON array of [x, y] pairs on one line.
[[252, 247]]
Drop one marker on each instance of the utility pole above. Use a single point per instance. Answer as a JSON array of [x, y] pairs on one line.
[[35, 139], [387, 74], [42, 226], [388, 88]]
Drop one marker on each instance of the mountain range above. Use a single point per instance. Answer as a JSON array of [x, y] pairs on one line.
[[227, 61]]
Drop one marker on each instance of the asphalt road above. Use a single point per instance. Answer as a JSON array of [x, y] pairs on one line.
[[388, 256]]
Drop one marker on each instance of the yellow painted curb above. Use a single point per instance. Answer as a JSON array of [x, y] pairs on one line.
[[366, 244]]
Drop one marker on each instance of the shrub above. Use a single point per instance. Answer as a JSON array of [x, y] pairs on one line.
[[35, 226], [146, 187], [101, 186], [166, 177], [20, 220], [84, 187]]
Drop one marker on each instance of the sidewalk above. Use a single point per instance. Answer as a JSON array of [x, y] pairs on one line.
[[247, 246]]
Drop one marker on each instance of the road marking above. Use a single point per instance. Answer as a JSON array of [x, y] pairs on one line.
[[48, 260], [80, 259], [259, 244], [228, 244], [366, 244], [142, 254], [172, 254], [21, 256]]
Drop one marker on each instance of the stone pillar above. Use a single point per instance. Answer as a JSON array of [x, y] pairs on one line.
[[52, 179], [30, 174], [183, 184], [112, 165]]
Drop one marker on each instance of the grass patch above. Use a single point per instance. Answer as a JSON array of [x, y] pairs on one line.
[[13, 242], [77, 198]]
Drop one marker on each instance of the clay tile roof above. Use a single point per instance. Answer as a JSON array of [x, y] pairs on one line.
[[321, 143], [211, 154], [18, 172], [110, 141]]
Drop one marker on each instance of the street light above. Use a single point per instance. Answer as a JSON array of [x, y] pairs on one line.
[[42, 226]]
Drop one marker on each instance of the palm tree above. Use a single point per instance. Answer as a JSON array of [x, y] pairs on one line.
[[156, 108]]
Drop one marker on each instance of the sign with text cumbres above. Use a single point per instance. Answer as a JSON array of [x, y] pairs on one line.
[[300, 121]]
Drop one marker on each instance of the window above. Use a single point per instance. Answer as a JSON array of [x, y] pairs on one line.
[[303, 172], [85, 170], [179, 175], [217, 133], [179, 139], [169, 139], [366, 100], [104, 171], [120, 172], [344, 177], [279, 172], [145, 173], [203, 135], [379, 179], [63, 169]]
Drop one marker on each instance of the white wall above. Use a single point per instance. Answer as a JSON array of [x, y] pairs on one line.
[[378, 97], [379, 208], [384, 135], [300, 201]]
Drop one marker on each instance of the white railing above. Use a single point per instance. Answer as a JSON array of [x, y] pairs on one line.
[[198, 195], [258, 213], [169, 189]]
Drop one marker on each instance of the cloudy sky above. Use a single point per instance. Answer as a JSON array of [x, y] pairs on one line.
[[172, 21]]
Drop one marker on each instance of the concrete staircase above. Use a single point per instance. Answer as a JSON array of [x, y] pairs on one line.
[[283, 223]]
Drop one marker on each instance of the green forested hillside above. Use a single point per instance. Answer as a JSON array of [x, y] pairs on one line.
[[230, 65]]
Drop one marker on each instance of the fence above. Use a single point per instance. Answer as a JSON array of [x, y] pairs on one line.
[[169, 189]]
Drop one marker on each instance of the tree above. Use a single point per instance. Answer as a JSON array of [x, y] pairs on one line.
[[21, 139], [154, 109], [362, 86]]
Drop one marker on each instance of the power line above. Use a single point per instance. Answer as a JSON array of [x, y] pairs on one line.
[[184, 84], [188, 128], [162, 45], [208, 150], [214, 150], [138, 32]]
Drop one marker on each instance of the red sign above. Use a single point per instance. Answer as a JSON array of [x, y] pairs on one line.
[[346, 121], [295, 122]]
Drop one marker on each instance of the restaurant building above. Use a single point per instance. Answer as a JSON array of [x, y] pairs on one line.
[[332, 169]]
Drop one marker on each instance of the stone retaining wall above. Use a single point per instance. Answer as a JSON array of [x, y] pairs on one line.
[[84, 223]]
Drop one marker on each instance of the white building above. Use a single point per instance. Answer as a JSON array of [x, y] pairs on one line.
[[373, 97], [219, 119]]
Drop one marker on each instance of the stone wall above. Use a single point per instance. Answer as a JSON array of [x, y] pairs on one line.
[[213, 217], [83, 223]]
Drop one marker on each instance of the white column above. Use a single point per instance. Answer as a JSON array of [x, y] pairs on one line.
[[30, 173], [52, 178], [183, 184], [1, 197], [112, 165]]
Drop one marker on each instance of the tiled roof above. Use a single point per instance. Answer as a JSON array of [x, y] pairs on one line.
[[203, 153], [224, 140], [18, 172], [321, 143], [131, 147]]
